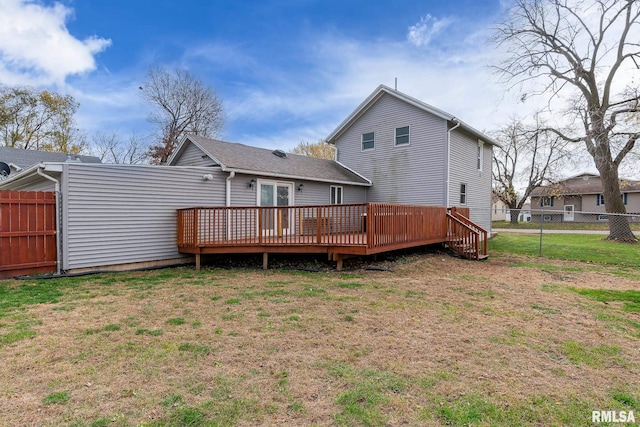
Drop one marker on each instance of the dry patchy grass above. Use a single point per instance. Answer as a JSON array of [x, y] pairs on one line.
[[439, 341]]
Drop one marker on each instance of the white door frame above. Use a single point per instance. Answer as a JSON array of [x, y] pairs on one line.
[[569, 214], [275, 184]]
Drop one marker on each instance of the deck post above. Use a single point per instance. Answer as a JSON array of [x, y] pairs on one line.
[[197, 261], [265, 260], [338, 258]]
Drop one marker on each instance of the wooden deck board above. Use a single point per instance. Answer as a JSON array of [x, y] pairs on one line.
[[338, 230]]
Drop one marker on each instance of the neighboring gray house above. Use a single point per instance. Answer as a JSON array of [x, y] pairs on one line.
[[580, 199], [415, 153], [125, 215], [19, 159]]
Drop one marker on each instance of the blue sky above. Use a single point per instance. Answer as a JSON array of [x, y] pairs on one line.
[[286, 70]]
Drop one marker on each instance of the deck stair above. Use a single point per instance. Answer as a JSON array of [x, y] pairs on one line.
[[465, 237]]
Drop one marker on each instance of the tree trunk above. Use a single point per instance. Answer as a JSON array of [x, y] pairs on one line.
[[619, 228], [515, 215]]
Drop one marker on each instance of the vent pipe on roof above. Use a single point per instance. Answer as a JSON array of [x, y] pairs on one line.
[[280, 153], [396, 84]]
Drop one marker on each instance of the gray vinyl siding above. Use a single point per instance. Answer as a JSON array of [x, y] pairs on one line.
[[116, 214], [312, 193], [464, 170], [193, 156], [411, 173]]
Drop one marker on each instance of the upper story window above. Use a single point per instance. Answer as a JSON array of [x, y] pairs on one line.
[[463, 194], [368, 141], [402, 135], [336, 195], [546, 201], [480, 155]]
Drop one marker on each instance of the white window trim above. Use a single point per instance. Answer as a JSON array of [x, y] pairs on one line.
[[362, 142], [549, 201], [465, 193], [395, 136], [336, 187], [480, 156], [291, 185]]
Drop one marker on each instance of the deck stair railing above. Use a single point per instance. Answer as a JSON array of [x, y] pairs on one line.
[[464, 236]]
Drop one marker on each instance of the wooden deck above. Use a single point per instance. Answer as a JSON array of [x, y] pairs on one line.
[[337, 230]]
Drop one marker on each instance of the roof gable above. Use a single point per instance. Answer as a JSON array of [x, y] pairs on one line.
[[383, 90], [261, 161]]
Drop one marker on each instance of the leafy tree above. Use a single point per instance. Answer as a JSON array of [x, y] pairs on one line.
[[40, 120], [181, 104], [528, 156], [320, 150], [581, 52]]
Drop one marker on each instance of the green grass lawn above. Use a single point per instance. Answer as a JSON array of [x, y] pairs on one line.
[[604, 225], [580, 247], [512, 341]]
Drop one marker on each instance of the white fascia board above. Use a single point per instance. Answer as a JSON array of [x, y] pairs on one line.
[[295, 177]]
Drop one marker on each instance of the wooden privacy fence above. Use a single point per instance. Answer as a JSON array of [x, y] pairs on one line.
[[27, 232]]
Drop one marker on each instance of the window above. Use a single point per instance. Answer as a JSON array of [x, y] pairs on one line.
[[463, 194], [480, 155], [603, 217], [336, 195], [402, 135], [546, 201], [547, 218], [368, 141], [600, 199]]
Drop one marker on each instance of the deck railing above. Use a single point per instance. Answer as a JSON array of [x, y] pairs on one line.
[[466, 237], [370, 225]]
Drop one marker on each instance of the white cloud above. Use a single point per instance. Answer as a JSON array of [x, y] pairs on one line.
[[423, 32], [36, 48]]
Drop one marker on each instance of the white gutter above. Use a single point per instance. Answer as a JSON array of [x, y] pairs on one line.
[[449, 159], [299, 177], [58, 216]]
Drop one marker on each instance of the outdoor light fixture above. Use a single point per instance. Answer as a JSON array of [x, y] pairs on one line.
[[251, 183], [207, 177], [300, 186]]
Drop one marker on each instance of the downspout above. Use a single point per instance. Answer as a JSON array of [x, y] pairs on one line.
[[232, 175], [58, 216], [449, 159]]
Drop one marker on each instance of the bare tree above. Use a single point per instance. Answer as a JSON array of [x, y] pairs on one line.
[[526, 158], [582, 50], [320, 150], [181, 104], [110, 148]]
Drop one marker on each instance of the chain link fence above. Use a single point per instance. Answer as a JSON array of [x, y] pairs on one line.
[[621, 227]]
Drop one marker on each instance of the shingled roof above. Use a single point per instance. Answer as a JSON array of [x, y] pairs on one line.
[[585, 183], [261, 161], [26, 158]]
